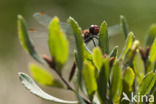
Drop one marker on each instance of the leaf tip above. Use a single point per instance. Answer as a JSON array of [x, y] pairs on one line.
[[19, 16], [104, 23], [70, 19], [121, 17], [21, 75]]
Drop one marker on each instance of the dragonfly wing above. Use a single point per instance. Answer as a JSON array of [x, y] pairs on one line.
[[66, 28], [114, 30], [40, 40], [42, 18]]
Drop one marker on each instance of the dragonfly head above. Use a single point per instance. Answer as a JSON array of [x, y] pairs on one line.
[[94, 29], [90, 33]]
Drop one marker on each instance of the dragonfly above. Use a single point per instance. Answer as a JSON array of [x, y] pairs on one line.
[[88, 34]]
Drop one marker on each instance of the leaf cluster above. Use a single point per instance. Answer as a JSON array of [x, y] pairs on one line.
[[103, 75]]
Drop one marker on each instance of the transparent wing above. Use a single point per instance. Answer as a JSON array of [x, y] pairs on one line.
[[114, 30], [40, 40], [41, 37], [44, 20]]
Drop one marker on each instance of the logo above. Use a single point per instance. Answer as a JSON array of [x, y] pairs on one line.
[[138, 98]]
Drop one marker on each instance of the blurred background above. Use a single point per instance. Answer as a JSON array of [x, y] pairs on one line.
[[140, 14]]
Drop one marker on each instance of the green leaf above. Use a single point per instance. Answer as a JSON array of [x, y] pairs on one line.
[[103, 38], [103, 80], [150, 67], [129, 76], [114, 52], [116, 82], [33, 88], [151, 35], [80, 83], [87, 54], [131, 52], [79, 41], [137, 72], [89, 78], [97, 57], [79, 54], [147, 83], [152, 58], [25, 40], [43, 77], [128, 45], [58, 44], [152, 55], [124, 26]]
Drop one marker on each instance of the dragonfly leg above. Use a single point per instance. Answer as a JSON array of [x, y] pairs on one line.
[[94, 42]]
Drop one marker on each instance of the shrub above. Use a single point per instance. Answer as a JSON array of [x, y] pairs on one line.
[[103, 75]]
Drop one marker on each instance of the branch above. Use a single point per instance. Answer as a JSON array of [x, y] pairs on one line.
[[51, 64]]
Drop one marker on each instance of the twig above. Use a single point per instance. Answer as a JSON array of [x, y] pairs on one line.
[[52, 65], [64, 81], [68, 86], [72, 72]]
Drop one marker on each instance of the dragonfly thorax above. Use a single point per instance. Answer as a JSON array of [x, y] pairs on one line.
[[87, 36]]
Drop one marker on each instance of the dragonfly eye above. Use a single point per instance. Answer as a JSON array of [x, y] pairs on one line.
[[94, 29], [91, 29]]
